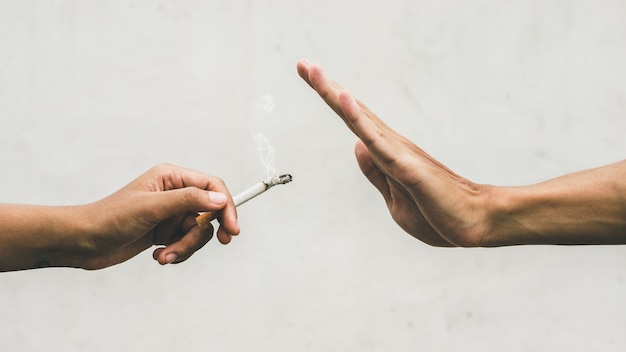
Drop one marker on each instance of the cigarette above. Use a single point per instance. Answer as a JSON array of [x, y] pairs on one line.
[[205, 218]]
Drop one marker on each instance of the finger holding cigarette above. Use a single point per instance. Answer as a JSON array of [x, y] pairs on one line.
[[204, 219]]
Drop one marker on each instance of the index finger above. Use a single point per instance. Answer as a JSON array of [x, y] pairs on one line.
[[175, 177], [327, 89], [361, 121]]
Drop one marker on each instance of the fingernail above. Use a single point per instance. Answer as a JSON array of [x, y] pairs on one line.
[[217, 197], [170, 258]]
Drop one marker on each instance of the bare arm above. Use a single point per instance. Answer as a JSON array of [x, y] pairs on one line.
[[586, 207], [35, 236]]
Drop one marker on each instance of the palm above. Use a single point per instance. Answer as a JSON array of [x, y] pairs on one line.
[[401, 204], [424, 197]]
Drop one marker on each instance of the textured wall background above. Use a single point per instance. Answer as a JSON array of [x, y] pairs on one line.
[[93, 93]]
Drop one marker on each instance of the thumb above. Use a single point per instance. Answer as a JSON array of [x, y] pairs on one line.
[[371, 170], [188, 199]]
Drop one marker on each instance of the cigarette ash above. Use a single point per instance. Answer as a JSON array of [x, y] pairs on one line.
[[278, 180]]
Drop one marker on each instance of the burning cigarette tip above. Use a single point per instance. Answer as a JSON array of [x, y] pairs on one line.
[[204, 219], [286, 178], [278, 180]]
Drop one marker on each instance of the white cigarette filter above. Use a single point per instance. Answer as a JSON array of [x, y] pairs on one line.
[[205, 218]]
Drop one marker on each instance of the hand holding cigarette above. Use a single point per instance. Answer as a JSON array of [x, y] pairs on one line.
[[156, 209], [205, 219]]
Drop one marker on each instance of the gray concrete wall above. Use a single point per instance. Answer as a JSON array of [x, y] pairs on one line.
[[93, 93]]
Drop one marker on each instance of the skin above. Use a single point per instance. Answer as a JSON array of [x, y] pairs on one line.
[[439, 207], [156, 209]]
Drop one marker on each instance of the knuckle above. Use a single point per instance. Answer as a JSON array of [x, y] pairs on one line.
[[163, 168], [218, 180], [160, 167], [217, 184]]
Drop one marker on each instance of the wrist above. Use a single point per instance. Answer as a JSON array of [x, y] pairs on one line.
[[69, 242], [506, 209]]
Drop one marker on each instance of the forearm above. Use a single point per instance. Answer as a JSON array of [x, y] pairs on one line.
[[587, 207], [37, 236]]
